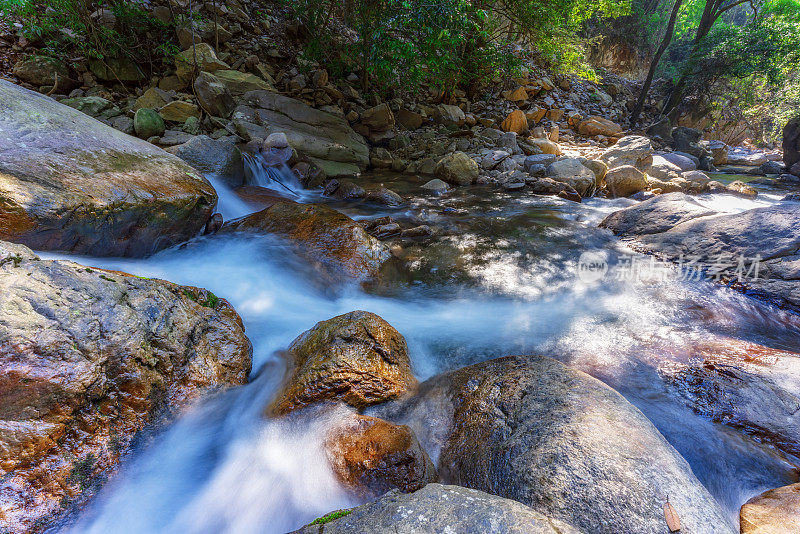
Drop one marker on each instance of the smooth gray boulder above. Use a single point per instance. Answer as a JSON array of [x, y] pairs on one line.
[[438, 509], [658, 214], [770, 233], [69, 182], [326, 139], [218, 157], [531, 429]]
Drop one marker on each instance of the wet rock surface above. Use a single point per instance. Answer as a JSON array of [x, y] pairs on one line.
[[438, 508], [533, 430], [88, 358], [746, 386], [71, 183], [331, 240], [771, 234], [357, 358], [372, 456]]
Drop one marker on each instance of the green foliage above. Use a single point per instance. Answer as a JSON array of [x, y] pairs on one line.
[[448, 43], [65, 28], [330, 517]]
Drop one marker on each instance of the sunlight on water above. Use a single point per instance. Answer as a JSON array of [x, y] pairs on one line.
[[224, 467]]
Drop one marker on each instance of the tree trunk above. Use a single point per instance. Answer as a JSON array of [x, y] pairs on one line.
[[648, 81], [711, 13]]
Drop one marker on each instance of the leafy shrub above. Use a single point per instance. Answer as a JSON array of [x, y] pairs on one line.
[[64, 28]]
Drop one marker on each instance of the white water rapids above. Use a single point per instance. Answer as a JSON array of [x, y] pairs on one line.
[[224, 468]]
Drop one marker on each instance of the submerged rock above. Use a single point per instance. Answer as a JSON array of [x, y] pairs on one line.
[[373, 456], [530, 429], [775, 511], [441, 509], [69, 182], [745, 386], [322, 235], [357, 358], [88, 358]]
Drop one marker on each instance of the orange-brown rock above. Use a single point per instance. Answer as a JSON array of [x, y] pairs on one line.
[[594, 125], [775, 511], [331, 240], [88, 358], [515, 122], [69, 182], [535, 115], [357, 358], [517, 95], [373, 456]]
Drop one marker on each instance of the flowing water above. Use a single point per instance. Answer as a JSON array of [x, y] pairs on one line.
[[500, 279]]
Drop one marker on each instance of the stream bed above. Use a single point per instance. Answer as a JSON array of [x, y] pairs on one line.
[[500, 278]]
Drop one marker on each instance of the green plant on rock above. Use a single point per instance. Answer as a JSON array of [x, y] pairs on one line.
[[330, 517]]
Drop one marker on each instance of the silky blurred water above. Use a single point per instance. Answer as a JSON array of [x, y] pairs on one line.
[[500, 281]]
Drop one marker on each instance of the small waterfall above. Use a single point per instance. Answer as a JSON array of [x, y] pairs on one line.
[[280, 178]]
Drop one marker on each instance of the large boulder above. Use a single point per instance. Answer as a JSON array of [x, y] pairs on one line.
[[197, 58], [217, 157], [625, 181], [42, 71], [663, 169], [594, 126], [69, 182], [449, 115], [632, 150], [659, 214], [372, 456], [440, 509], [334, 242], [791, 142], [238, 83], [147, 123], [765, 238], [776, 511], [573, 172], [746, 386], [684, 162], [531, 429], [326, 139], [516, 122], [88, 358], [457, 169], [357, 358], [213, 95]]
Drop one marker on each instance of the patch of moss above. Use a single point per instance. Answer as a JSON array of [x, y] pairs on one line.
[[211, 300], [82, 470], [104, 277], [16, 259], [330, 517]]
